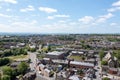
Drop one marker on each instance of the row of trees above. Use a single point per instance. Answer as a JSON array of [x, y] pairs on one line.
[[101, 55], [32, 49], [116, 53], [4, 61], [10, 74], [14, 51]]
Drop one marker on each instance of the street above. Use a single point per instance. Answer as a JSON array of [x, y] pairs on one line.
[[33, 59]]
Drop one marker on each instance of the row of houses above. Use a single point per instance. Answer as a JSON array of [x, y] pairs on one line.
[[58, 61], [113, 64]]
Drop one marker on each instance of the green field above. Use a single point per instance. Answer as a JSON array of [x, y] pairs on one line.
[[76, 58], [19, 57]]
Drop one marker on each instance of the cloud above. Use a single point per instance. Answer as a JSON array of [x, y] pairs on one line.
[[58, 16], [4, 28], [29, 8], [6, 16], [86, 19], [50, 17], [8, 10], [113, 24], [47, 9], [116, 3], [24, 24], [103, 18], [73, 23], [61, 21], [9, 1], [89, 20], [113, 9], [59, 28], [33, 22], [62, 16]]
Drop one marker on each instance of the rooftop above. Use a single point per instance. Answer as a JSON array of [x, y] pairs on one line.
[[55, 53], [74, 77], [82, 63]]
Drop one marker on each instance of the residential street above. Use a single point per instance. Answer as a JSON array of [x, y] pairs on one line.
[[98, 68], [33, 58]]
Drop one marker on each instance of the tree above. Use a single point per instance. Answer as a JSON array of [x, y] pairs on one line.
[[22, 67], [23, 51], [29, 60], [80, 72], [6, 77], [0, 76], [20, 77], [4, 61], [117, 53], [104, 63], [83, 58], [51, 73], [49, 48], [45, 49], [7, 53], [32, 49], [14, 73], [7, 71], [101, 54], [105, 78]]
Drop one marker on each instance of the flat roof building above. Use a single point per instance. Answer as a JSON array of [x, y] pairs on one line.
[[55, 55]]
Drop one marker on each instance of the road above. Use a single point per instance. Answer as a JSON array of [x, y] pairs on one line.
[[33, 58], [98, 68]]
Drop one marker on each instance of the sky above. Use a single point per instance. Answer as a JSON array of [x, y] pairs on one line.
[[60, 16]]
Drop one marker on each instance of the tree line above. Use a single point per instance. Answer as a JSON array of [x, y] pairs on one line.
[[11, 74], [13, 52]]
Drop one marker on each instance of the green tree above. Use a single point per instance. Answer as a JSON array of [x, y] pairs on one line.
[[4, 61], [80, 72], [105, 78], [14, 72], [22, 67], [83, 58], [7, 53], [44, 49], [6, 77], [0, 76], [23, 51], [21, 77], [32, 49], [117, 53], [101, 54], [104, 63], [49, 48], [7, 71]]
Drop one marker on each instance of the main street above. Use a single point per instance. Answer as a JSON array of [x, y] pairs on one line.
[[98, 68], [33, 59]]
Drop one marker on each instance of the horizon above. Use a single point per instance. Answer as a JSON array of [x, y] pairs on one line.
[[31, 33], [55, 17]]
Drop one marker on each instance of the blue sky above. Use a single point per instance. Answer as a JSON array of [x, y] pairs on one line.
[[60, 16]]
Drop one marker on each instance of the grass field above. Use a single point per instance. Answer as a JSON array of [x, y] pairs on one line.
[[77, 58], [19, 57]]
